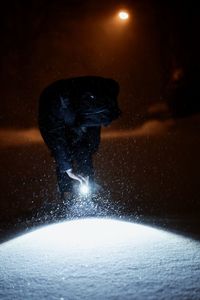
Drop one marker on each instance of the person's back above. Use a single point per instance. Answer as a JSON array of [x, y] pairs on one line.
[[82, 95], [71, 113]]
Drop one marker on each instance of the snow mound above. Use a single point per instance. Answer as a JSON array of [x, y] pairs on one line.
[[99, 259]]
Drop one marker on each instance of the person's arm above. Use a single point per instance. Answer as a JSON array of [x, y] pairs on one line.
[[56, 141], [52, 127], [53, 132]]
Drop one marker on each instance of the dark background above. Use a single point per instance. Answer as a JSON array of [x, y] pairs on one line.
[[149, 158]]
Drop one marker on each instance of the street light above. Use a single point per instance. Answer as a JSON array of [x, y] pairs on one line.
[[123, 15]]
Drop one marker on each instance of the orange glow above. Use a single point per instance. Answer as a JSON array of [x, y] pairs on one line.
[[177, 74], [21, 137]]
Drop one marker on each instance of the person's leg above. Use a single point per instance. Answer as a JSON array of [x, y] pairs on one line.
[[86, 149], [84, 164], [86, 169], [65, 183]]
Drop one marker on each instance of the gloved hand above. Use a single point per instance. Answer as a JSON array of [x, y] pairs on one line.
[[77, 177]]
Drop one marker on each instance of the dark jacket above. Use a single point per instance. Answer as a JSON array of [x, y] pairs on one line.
[[71, 113]]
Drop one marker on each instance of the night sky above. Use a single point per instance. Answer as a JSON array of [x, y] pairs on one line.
[[154, 56]]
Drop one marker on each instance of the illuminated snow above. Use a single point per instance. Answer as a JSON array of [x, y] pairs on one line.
[[99, 259], [84, 189]]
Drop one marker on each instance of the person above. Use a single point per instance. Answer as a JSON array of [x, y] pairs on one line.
[[71, 114]]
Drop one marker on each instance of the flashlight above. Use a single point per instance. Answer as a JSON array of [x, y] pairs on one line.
[[84, 189]]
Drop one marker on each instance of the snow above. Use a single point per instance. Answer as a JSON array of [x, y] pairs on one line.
[[97, 258]]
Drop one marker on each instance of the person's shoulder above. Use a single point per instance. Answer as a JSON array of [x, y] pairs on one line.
[[56, 87], [80, 82], [81, 79]]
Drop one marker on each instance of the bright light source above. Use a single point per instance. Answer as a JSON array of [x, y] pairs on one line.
[[123, 15], [84, 189]]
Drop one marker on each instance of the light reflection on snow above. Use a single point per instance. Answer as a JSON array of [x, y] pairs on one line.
[[91, 232], [96, 258]]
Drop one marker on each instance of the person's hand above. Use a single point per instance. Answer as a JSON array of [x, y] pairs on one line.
[[77, 177]]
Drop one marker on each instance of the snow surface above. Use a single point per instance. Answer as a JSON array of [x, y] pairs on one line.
[[100, 259]]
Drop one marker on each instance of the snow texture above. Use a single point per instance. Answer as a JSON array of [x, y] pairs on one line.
[[99, 259]]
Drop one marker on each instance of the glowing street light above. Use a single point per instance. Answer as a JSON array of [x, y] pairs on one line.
[[123, 15]]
